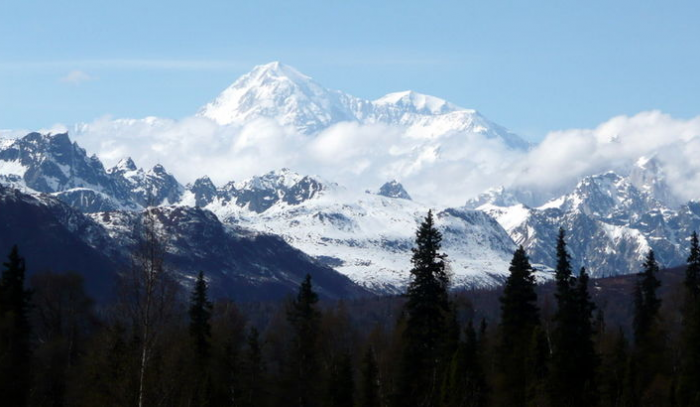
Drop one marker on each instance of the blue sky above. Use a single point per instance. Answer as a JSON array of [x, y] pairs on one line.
[[531, 66]]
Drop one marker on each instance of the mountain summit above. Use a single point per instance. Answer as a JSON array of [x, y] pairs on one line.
[[416, 103], [279, 92]]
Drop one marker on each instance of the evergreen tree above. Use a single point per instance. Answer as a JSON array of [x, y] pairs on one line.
[[200, 333], [427, 309], [689, 388], [563, 274], [692, 271], [519, 323], [200, 316], [15, 351], [465, 384], [304, 317], [341, 384], [253, 372], [62, 320], [452, 332], [649, 362], [613, 369], [646, 300], [107, 377], [538, 363], [563, 378], [573, 365], [584, 350], [370, 390]]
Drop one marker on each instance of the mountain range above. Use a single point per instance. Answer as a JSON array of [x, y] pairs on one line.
[[293, 99], [257, 237]]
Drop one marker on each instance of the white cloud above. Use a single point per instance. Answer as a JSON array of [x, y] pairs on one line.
[[128, 64], [443, 171], [357, 156], [563, 157], [77, 77]]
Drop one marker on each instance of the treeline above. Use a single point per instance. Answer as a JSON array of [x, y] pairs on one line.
[[157, 346]]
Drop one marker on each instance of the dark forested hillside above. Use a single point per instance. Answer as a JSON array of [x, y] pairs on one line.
[[241, 264], [574, 341]]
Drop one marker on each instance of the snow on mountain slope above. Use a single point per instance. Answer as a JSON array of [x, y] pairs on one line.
[[55, 237], [412, 102], [369, 238], [611, 220], [12, 167], [648, 176], [509, 217], [238, 263], [51, 163], [280, 92], [147, 188]]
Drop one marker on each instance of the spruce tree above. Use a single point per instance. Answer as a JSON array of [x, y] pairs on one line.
[[646, 301], [518, 328], [341, 385], [584, 350], [464, 383], [200, 333], [304, 317], [648, 362], [200, 316], [427, 309], [613, 369], [15, 351], [564, 337], [253, 373], [692, 271], [573, 357], [370, 390], [688, 387]]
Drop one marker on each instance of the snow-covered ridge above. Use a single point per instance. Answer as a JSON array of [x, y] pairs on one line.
[[612, 221], [418, 103], [367, 237]]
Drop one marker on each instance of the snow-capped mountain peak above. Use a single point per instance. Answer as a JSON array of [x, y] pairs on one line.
[[416, 103], [125, 164], [394, 189], [648, 176], [284, 186], [280, 92], [272, 180], [158, 169], [278, 70]]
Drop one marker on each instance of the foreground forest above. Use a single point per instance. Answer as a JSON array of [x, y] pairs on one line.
[[159, 344]]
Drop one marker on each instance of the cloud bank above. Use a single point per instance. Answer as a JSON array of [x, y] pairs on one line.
[[439, 171], [563, 157]]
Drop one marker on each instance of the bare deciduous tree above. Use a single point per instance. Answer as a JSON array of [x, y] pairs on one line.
[[148, 294]]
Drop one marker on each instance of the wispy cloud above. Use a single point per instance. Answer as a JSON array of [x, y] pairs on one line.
[[129, 64], [77, 77], [212, 64]]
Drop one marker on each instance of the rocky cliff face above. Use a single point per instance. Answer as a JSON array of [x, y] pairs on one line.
[[612, 221]]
